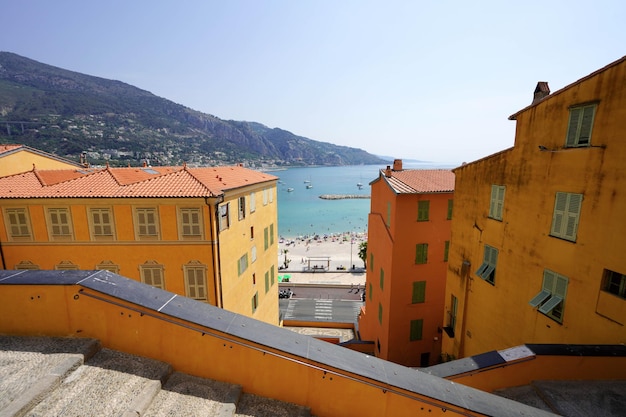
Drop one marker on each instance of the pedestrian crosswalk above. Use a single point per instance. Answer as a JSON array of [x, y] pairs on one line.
[[327, 310], [324, 310]]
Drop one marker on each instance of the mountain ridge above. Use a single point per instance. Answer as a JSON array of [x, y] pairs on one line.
[[68, 113]]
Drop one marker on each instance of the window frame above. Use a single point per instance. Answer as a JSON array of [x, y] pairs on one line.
[[418, 292], [22, 226], [578, 127], [252, 202], [53, 215], [151, 267], [108, 266], [487, 270], [144, 211], [193, 226], [550, 301], [423, 210], [101, 223], [241, 207], [224, 216], [416, 330], [614, 283], [421, 253], [496, 202], [196, 290], [242, 264], [566, 215], [66, 266]]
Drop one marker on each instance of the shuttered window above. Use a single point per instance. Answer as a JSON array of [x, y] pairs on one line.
[[487, 270], [417, 327], [190, 223], [419, 292], [152, 274], [580, 125], [382, 279], [60, 224], [195, 280], [566, 215], [446, 250], [242, 264], [421, 253], [551, 298], [450, 207], [423, 209], [102, 223], [497, 201], [147, 222], [615, 283], [19, 228]]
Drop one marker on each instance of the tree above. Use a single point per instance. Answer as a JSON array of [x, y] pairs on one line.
[[363, 253]]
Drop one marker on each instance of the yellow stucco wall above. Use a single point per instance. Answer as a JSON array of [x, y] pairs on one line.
[[499, 316], [23, 160]]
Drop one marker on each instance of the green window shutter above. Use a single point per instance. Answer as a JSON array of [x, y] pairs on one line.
[[273, 275], [573, 214], [380, 313], [566, 215], [580, 125], [446, 250], [388, 213], [267, 281], [272, 234], [423, 208], [382, 278], [421, 253], [572, 129], [450, 206], [584, 137], [419, 292], [497, 201], [417, 327], [265, 238], [560, 204], [370, 291]]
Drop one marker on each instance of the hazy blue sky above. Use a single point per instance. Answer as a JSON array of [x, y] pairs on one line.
[[429, 80]]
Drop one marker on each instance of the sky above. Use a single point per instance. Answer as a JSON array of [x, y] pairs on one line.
[[427, 80]]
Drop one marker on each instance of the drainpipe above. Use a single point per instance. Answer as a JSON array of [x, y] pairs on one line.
[[215, 239], [4, 266]]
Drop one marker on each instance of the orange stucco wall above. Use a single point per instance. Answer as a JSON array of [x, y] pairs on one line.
[[24, 160], [262, 370], [392, 246], [499, 316]]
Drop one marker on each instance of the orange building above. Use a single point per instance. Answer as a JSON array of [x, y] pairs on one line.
[[408, 239], [538, 238], [206, 233], [20, 158]]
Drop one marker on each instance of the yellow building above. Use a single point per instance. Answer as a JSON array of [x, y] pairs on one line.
[[409, 234], [20, 158], [538, 237], [206, 233]]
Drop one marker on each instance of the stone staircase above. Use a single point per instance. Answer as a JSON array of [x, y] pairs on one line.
[[41, 376]]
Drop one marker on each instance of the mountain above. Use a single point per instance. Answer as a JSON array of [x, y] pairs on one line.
[[67, 113]]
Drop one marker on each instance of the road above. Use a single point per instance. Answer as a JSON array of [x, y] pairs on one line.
[[320, 303]]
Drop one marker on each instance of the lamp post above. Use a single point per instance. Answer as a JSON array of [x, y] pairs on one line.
[[351, 244]]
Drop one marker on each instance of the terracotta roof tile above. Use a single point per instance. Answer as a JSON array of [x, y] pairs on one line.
[[420, 181], [129, 182]]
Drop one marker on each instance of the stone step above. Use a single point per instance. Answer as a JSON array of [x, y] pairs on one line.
[[251, 405]]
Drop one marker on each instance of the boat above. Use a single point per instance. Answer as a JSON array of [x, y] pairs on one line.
[[289, 190], [359, 185], [309, 186], [307, 181]]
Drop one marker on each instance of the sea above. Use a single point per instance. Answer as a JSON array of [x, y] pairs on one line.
[[301, 211]]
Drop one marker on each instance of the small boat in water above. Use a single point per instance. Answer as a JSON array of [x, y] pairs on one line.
[[309, 186], [289, 190]]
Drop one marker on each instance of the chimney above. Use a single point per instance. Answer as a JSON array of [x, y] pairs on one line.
[[388, 172], [541, 91], [397, 164]]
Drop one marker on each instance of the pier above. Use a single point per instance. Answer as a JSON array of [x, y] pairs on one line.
[[343, 196]]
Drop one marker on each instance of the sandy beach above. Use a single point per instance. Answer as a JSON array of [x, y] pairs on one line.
[[322, 259]]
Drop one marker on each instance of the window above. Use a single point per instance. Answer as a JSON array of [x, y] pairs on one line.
[[108, 266], [152, 274], [272, 275], [615, 283], [380, 313], [566, 215], [266, 238], [271, 194], [382, 278], [267, 281], [423, 208], [27, 265], [18, 222], [497, 201], [416, 329], [419, 292], [446, 250], [101, 223], [265, 196], [272, 234], [195, 280], [66, 266], [370, 291], [59, 223], [487, 269], [388, 221], [253, 254], [242, 208], [450, 206], [224, 219], [421, 253], [242, 264], [551, 299], [253, 278], [579, 126], [454, 305], [147, 223], [190, 222], [252, 202], [255, 301], [251, 232]]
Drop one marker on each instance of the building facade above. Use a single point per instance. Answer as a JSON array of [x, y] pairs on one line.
[[537, 252], [206, 233], [19, 158], [408, 241]]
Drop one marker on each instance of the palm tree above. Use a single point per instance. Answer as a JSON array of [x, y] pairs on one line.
[[363, 253]]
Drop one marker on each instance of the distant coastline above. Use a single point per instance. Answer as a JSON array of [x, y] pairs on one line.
[[343, 196]]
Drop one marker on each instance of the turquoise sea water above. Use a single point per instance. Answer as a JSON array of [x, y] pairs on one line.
[[302, 213]]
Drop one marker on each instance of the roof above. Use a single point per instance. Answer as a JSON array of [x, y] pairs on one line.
[[420, 181], [10, 149], [593, 74], [130, 182]]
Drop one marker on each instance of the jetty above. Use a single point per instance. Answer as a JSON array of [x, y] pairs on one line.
[[343, 196]]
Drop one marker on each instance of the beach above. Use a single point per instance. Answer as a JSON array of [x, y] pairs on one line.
[[325, 259]]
